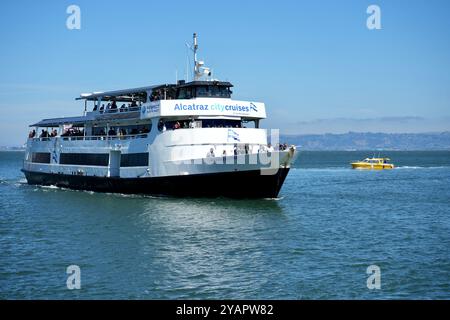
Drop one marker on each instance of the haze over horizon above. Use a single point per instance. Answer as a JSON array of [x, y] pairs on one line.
[[315, 65]]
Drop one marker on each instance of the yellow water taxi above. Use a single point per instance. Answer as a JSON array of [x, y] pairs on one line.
[[373, 164]]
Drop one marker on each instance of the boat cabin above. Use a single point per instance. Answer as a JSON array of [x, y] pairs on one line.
[[128, 113]]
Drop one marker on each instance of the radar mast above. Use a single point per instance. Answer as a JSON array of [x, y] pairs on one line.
[[199, 69]]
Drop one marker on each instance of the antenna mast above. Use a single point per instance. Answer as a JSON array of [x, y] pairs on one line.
[[199, 66], [196, 64]]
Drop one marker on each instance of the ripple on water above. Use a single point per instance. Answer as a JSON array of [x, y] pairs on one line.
[[315, 241]]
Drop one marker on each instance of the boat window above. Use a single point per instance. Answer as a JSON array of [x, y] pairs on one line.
[[99, 131], [185, 93], [176, 124], [213, 91], [87, 159], [221, 92], [161, 125], [40, 157], [134, 159], [203, 91], [221, 123], [250, 123]]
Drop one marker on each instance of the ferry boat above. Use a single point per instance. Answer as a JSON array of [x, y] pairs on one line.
[[373, 164], [181, 139]]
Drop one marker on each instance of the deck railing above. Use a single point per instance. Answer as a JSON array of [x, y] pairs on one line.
[[90, 138], [118, 110]]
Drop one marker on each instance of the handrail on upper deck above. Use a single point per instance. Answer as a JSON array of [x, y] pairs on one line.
[[89, 138], [118, 110]]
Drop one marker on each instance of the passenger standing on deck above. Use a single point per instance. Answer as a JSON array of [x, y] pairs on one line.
[[210, 154], [114, 105], [112, 132]]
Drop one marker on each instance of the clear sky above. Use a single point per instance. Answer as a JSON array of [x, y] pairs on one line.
[[315, 64]]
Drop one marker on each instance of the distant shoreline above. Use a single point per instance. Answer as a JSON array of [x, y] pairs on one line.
[[11, 150], [356, 141], [364, 141]]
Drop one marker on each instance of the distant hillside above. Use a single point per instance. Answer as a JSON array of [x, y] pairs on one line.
[[2, 148], [358, 141], [371, 141]]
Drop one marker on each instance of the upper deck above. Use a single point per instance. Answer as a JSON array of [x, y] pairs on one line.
[[196, 99]]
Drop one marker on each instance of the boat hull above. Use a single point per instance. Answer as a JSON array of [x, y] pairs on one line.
[[236, 184], [365, 166]]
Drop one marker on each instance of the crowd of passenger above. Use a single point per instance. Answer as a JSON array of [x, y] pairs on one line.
[[191, 124], [73, 132], [240, 149], [156, 96], [113, 107], [121, 132], [270, 148], [77, 132], [44, 134]]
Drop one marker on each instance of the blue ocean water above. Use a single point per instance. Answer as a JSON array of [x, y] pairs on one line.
[[314, 242]]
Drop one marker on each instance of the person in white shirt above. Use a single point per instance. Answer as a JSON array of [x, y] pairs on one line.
[[210, 154]]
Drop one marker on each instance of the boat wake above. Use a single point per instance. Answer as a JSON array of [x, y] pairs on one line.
[[47, 188], [274, 199], [324, 169], [120, 195], [347, 169], [420, 167], [4, 181], [136, 196]]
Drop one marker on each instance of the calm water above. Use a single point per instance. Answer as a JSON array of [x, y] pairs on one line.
[[315, 242]]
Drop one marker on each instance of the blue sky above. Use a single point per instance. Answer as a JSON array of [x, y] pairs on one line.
[[314, 63]]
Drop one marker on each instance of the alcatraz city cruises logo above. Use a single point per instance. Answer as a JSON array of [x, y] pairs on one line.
[[217, 107], [168, 108]]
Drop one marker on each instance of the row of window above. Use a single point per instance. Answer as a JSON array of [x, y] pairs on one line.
[[93, 159]]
